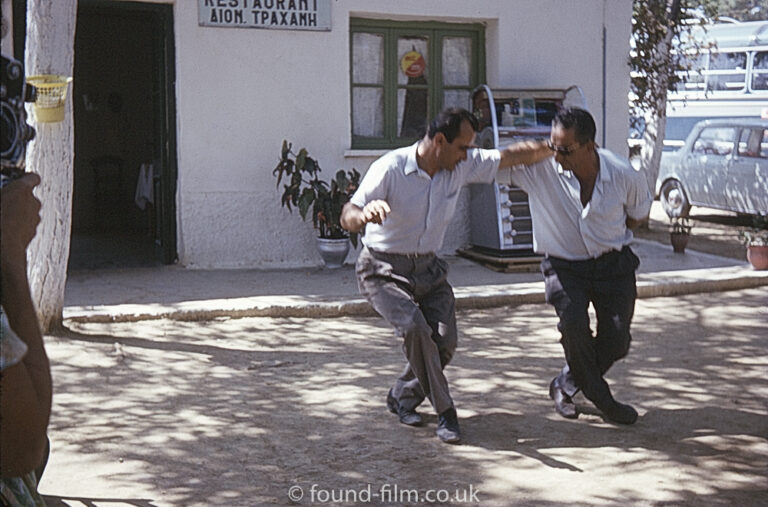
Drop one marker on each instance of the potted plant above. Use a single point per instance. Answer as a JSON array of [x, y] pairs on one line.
[[680, 233], [305, 190], [756, 240]]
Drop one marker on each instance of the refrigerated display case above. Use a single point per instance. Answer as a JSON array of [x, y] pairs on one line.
[[500, 219]]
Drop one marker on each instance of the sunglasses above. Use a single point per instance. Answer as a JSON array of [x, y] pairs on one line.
[[563, 150]]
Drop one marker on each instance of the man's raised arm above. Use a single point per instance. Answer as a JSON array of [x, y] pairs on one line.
[[524, 153]]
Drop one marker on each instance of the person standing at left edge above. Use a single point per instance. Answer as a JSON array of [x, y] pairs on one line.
[[405, 203]]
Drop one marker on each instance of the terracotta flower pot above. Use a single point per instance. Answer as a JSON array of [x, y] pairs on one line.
[[679, 241], [757, 255]]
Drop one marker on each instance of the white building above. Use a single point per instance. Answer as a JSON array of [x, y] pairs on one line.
[[206, 91]]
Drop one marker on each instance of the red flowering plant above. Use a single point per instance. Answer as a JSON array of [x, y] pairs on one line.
[[305, 189]]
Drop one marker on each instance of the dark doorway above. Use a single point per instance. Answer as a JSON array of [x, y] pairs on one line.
[[123, 212]]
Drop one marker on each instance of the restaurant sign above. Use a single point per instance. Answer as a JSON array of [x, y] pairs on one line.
[[278, 14]]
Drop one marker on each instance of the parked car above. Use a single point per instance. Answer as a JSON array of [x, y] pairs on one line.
[[723, 164]]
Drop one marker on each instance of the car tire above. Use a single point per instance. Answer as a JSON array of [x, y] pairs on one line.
[[674, 200]]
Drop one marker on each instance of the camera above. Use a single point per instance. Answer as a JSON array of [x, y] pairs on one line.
[[16, 133]]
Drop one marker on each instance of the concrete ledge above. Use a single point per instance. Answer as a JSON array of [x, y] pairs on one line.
[[675, 283], [668, 283]]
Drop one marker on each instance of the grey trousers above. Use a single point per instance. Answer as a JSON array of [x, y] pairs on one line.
[[414, 296]]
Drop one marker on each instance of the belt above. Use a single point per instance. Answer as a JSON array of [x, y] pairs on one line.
[[414, 255], [603, 255]]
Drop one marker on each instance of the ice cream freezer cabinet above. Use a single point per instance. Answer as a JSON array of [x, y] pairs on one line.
[[500, 219]]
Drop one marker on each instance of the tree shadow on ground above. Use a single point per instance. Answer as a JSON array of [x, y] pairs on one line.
[[236, 412], [57, 501]]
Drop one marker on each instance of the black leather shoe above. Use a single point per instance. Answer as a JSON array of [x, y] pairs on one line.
[[564, 405], [620, 413], [448, 427], [407, 416]]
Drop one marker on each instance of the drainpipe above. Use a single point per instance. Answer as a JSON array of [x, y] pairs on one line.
[[605, 84]]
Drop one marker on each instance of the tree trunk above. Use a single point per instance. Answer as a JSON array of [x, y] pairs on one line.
[[653, 141], [50, 50], [656, 117]]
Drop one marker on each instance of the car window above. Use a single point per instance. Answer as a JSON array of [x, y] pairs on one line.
[[764, 145], [715, 141], [753, 143]]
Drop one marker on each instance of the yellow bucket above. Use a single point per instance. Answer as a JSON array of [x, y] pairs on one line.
[[51, 92]]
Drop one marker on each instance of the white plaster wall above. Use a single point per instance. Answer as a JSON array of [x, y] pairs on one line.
[[240, 92]]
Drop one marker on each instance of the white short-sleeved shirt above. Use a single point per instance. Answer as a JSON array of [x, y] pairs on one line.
[[421, 207], [562, 227]]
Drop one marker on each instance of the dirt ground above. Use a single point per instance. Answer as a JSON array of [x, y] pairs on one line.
[[263, 411]]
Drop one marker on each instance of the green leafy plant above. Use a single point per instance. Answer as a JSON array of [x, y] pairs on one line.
[[304, 190], [757, 235], [681, 225]]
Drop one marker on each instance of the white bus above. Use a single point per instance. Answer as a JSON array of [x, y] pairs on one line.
[[728, 80]]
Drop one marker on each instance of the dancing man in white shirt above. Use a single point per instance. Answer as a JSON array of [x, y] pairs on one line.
[[405, 203]]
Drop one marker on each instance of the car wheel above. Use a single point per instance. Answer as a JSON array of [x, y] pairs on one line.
[[673, 199]]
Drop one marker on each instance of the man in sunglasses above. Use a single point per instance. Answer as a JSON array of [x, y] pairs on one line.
[[405, 203], [584, 203]]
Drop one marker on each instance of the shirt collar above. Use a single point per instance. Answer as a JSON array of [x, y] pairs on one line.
[[411, 166], [602, 173]]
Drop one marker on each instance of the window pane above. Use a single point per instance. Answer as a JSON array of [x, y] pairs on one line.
[[457, 53], [760, 71], [760, 80], [764, 145], [727, 71], [715, 141], [412, 58], [456, 98], [761, 61], [368, 112], [726, 82], [728, 61], [750, 143], [411, 112], [367, 58], [394, 90], [692, 79]]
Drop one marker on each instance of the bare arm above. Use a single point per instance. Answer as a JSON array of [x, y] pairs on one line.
[[25, 404], [524, 153], [353, 218]]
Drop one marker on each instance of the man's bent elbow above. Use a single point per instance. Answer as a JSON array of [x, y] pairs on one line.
[[633, 224]]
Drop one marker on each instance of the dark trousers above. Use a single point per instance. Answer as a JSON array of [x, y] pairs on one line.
[[414, 296], [608, 282]]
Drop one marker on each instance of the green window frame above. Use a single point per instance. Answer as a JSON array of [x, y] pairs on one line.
[[383, 84]]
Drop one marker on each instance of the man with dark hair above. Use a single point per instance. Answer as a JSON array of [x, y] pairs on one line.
[[584, 203], [405, 203]]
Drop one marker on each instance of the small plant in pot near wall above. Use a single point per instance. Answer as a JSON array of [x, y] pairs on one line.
[[756, 240], [323, 200], [679, 234]]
